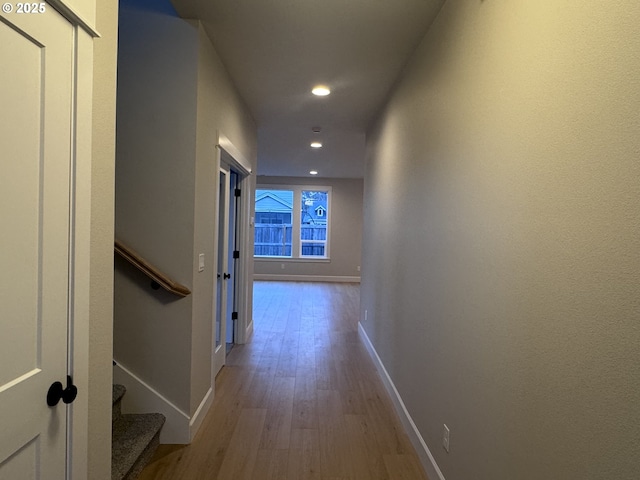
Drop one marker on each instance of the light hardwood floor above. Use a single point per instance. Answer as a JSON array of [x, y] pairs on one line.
[[302, 400]]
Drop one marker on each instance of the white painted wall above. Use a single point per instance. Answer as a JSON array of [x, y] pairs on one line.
[[219, 109], [501, 269], [174, 96], [155, 189], [345, 233]]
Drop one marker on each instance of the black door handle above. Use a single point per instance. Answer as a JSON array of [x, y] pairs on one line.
[[57, 393], [227, 276]]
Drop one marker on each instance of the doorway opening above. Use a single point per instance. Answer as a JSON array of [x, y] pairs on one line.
[[231, 315]]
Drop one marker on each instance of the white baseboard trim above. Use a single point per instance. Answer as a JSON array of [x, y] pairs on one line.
[[304, 278], [201, 412], [426, 458], [142, 398], [248, 332]]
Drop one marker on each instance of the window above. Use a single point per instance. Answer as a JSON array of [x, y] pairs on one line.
[[313, 227], [292, 222], [273, 224]]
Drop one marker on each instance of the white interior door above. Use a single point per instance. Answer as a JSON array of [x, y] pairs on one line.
[[222, 274], [36, 80]]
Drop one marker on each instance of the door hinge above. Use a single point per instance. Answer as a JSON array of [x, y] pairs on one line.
[[234, 315], [236, 254], [237, 192]]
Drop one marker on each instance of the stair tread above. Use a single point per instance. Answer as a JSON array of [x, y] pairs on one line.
[[118, 392], [132, 433]]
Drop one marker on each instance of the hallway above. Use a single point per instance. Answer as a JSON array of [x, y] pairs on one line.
[[302, 400]]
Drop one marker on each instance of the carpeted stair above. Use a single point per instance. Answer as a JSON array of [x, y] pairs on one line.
[[134, 439]]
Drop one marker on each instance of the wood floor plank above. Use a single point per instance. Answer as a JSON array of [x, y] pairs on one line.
[[241, 456], [404, 467], [257, 394], [366, 458], [335, 457], [301, 400], [305, 409], [277, 429], [304, 456], [271, 465]]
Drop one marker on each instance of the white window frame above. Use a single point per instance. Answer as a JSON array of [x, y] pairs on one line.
[[296, 241]]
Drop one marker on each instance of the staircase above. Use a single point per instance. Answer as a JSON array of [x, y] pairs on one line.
[[134, 439]]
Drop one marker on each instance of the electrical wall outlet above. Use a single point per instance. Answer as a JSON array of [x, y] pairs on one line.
[[358, 268], [282, 266], [445, 437]]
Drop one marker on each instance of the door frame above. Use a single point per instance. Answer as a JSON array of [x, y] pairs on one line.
[[79, 252], [78, 342], [78, 338], [232, 262], [229, 156]]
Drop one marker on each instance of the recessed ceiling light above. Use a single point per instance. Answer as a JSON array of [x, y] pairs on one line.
[[321, 90], [316, 145], [313, 172]]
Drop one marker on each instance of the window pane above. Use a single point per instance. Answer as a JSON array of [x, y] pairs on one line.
[[313, 249], [313, 222], [273, 223], [313, 232]]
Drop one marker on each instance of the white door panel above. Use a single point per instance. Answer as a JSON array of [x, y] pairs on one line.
[[36, 85], [220, 350]]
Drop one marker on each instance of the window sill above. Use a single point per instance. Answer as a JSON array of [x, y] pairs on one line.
[[292, 260]]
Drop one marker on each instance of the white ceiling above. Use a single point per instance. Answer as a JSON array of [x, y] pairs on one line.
[[277, 50]]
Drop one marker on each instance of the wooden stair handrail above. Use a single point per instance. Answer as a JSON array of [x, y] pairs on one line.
[[150, 271]]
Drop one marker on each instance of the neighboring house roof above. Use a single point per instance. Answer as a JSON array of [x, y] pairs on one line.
[[270, 201], [312, 214]]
